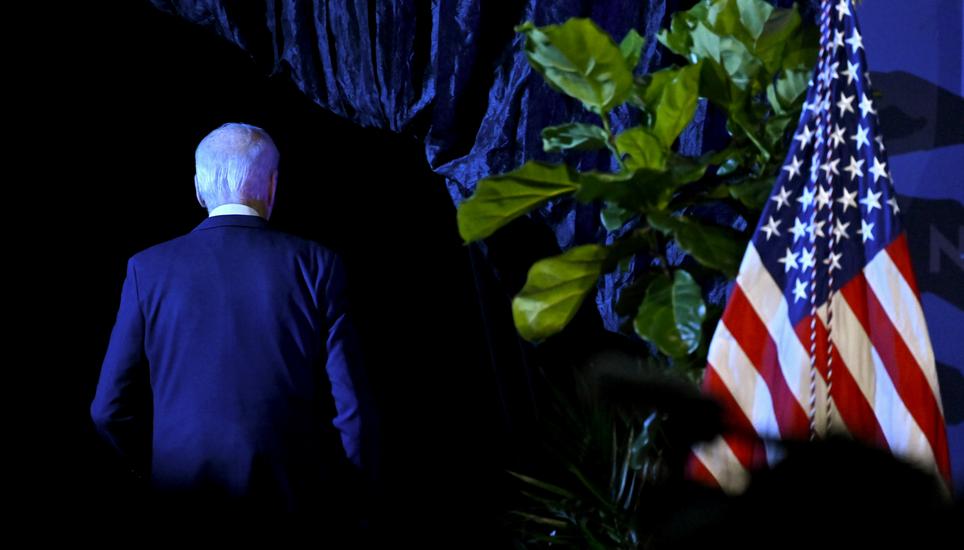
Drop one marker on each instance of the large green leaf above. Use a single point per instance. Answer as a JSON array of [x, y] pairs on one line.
[[686, 169], [671, 314], [643, 190], [669, 97], [746, 39], [788, 87], [632, 47], [770, 46], [744, 69], [642, 149], [500, 199], [614, 216], [554, 290], [801, 49], [742, 121], [573, 136], [740, 19], [775, 128], [752, 192], [714, 246], [580, 60], [627, 246], [754, 15], [678, 38], [677, 103]]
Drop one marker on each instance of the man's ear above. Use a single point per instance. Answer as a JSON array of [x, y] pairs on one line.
[[271, 188], [197, 192]]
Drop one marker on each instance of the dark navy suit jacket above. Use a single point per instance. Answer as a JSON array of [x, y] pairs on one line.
[[240, 336]]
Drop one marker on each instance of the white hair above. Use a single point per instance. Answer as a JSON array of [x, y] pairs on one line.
[[235, 162]]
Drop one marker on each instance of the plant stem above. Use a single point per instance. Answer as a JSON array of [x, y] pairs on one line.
[[611, 141]]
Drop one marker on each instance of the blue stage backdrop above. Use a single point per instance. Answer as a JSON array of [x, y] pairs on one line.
[[454, 74], [915, 51]]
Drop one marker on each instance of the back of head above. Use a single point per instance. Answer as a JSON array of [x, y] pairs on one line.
[[235, 163]]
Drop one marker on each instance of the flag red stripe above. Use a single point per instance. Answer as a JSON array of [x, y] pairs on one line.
[[740, 434], [857, 412], [905, 373], [897, 250], [697, 471], [746, 327]]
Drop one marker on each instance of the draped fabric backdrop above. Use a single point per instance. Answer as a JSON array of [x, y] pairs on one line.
[[454, 74]]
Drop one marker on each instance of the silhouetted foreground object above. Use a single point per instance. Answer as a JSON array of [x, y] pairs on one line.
[[837, 491]]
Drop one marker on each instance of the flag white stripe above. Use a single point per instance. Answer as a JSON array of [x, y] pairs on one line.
[[904, 312], [771, 306], [901, 431], [743, 381], [718, 458], [914, 445]]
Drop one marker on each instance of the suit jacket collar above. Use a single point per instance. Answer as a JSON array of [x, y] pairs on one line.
[[237, 220]]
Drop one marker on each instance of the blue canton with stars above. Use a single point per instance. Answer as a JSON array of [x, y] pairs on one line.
[[833, 206]]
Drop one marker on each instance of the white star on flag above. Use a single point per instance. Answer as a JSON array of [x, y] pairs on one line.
[[845, 103], [871, 201], [878, 169], [861, 137], [823, 197], [799, 290], [851, 72], [847, 199], [771, 228], [815, 229], [855, 41], [838, 39], [837, 136], [830, 166], [854, 168], [793, 168], [893, 204], [790, 260], [840, 231], [806, 259], [804, 137], [866, 230], [866, 106], [834, 260], [798, 229], [842, 9]]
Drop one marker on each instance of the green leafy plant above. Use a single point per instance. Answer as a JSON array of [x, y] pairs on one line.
[[595, 502], [749, 60]]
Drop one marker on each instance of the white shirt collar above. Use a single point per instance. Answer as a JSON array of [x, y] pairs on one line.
[[233, 208]]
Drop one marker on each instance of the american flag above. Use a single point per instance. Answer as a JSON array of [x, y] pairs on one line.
[[823, 332]]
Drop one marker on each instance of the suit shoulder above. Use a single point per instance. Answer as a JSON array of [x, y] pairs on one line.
[[161, 249], [309, 246], [171, 248]]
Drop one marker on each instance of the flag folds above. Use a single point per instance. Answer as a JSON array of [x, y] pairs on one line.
[[823, 331]]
